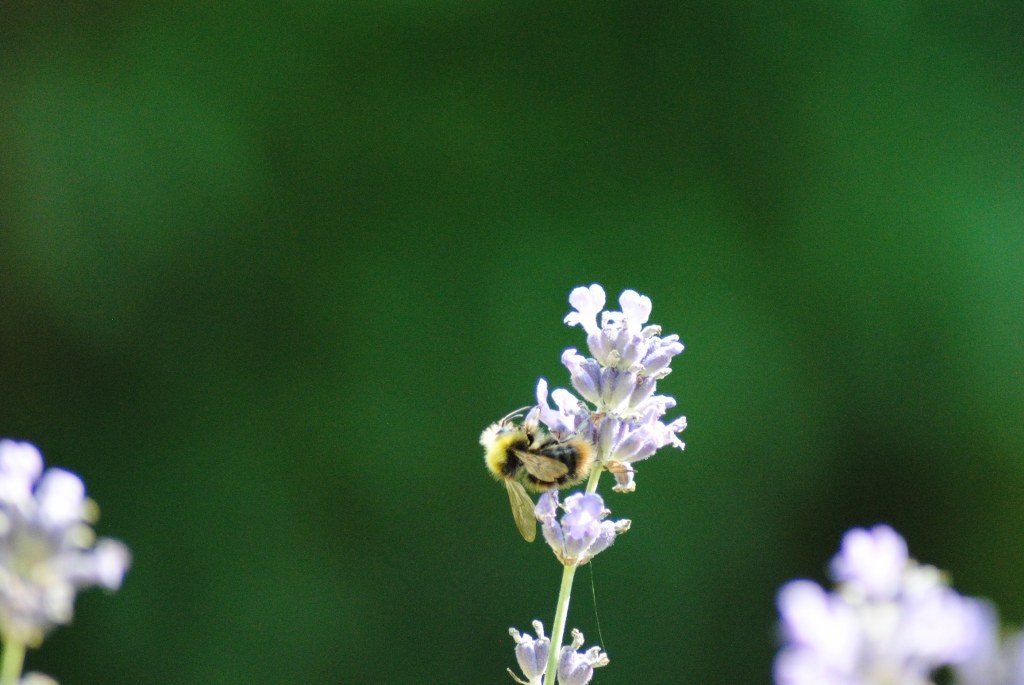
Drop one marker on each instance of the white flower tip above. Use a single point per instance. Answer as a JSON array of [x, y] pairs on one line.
[[587, 302], [635, 306], [577, 639], [872, 559], [61, 496], [595, 657], [587, 297], [112, 561], [20, 459]]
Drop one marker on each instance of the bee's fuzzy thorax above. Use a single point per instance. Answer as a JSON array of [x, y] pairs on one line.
[[497, 440]]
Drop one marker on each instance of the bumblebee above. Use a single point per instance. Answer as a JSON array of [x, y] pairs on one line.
[[525, 455]]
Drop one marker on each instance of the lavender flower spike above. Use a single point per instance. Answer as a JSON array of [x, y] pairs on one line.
[[582, 533], [47, 547], [619, 380]]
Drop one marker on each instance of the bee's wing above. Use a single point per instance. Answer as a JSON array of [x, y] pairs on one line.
[[522, 509], [540, 467]]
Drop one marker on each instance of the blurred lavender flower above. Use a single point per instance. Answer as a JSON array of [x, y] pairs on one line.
[[872, 561], [619, 379], [999, 660], [890, 621], [583, 532], [47, 548]]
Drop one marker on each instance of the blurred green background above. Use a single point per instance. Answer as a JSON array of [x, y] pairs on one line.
[[267, 271]]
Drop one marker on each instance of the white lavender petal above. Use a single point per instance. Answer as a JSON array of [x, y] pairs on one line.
[[588, 303]]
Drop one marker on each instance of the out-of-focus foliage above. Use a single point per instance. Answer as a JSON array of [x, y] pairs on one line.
[[267, 270]]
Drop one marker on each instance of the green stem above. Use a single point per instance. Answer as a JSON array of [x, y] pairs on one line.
[[12, 661], [558, 629], [595, 476], [562, 608]]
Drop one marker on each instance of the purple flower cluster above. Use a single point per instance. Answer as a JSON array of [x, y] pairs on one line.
[[574, 667], [890, 620], [619, 381], [47, 547], [582, 532]]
